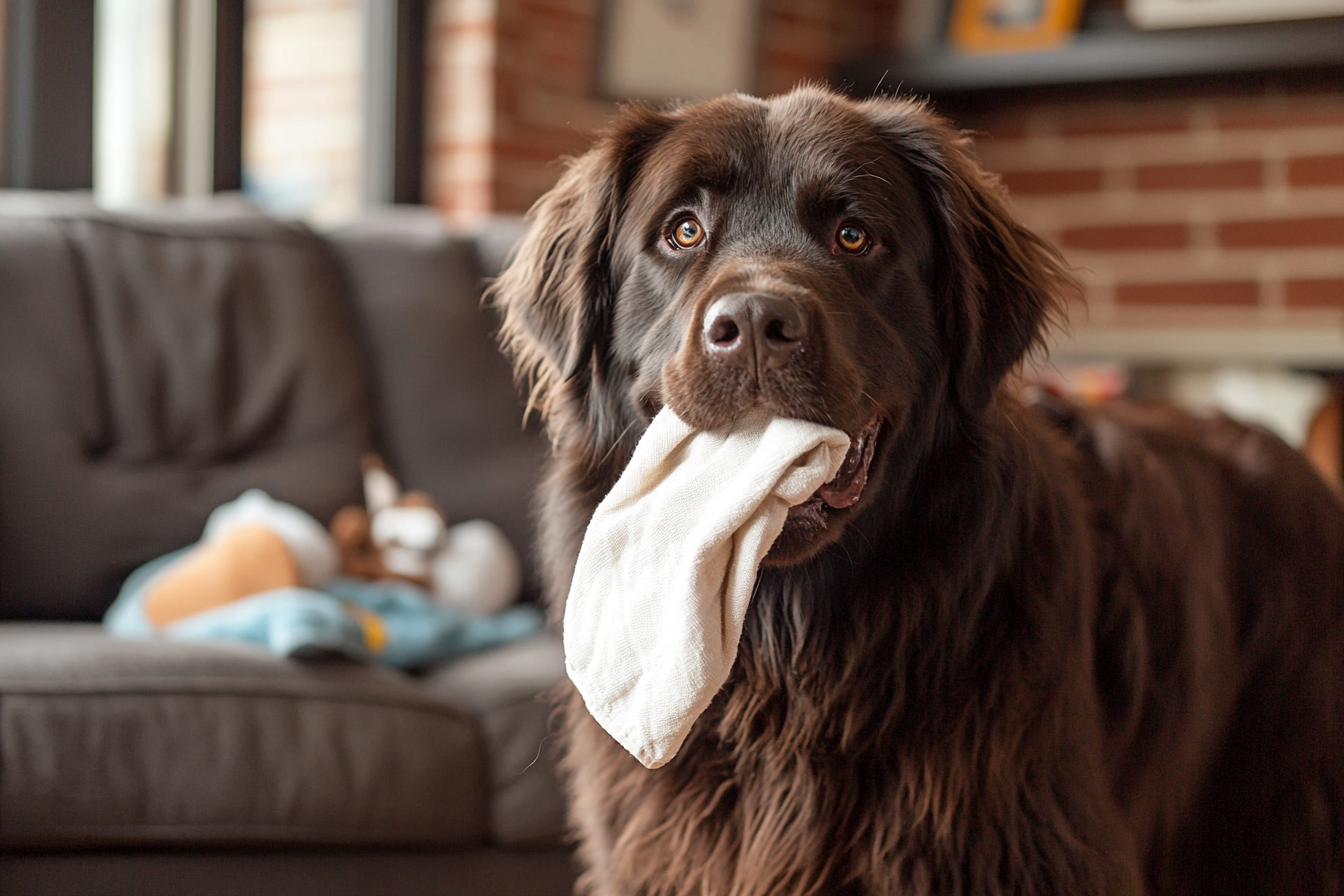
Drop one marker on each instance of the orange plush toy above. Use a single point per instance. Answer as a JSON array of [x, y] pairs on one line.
[[250, 545]]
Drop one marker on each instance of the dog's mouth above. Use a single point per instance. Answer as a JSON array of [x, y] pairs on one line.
[[807, 522], [847, 486]]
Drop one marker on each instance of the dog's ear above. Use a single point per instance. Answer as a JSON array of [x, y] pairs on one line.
[[555, 294], [998, 284]]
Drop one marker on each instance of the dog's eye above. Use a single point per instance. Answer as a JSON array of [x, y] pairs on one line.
[[687, 233], [852, 238]]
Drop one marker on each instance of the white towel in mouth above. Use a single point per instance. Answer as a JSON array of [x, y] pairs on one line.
[[669, 563]]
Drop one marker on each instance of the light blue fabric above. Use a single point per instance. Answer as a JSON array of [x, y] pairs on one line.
[[388, 622]]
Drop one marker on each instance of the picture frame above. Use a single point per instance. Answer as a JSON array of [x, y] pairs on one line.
[[998, 26], [658, 50]]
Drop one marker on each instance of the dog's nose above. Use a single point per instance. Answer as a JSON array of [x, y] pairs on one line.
[[754, 329]]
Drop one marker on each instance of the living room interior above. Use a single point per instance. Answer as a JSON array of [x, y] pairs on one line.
[[244, 243]]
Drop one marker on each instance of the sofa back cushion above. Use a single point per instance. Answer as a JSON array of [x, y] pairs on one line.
[[153, 367], [449, 418]]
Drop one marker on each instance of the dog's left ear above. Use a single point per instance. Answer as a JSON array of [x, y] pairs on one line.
[[997, 283], [555, 294]]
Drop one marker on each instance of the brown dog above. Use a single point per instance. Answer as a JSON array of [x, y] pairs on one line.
[[1008, 650]]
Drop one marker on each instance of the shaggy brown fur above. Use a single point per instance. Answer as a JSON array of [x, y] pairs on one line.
[[1048, 651]]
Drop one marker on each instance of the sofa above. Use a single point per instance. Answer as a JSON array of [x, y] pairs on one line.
[[152, 367]]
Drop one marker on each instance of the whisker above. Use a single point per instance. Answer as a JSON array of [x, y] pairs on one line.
[[620, 438]]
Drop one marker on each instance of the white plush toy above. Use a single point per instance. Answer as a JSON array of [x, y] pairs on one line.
[[470, 566]]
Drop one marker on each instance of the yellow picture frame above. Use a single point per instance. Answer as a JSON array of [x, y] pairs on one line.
[[1005, 26]]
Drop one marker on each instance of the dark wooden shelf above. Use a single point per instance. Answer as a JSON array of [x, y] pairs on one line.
[[1303, 51]]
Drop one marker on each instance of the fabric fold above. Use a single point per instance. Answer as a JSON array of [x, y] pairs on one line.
[[669, 563]]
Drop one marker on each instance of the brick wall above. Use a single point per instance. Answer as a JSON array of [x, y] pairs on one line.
[[1218, 210], [302, 105], [544, 103], [1183, 215], [460, 97], [511, 86], [801, 40]]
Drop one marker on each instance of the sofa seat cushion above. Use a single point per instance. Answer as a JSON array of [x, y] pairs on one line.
[[508, 691], [118, 742]]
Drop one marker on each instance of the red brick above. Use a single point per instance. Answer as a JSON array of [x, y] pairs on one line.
[[1243, 174], [1121, 237], [1003, 130], [1282, 233], [1206, 293], [478, 28], [545, 16], [1010, 123], [1118, 122], [785, 18], [794, 68], [1314, 293], [1077, 180], [1316, 171], [544, 155], [1287, 116]]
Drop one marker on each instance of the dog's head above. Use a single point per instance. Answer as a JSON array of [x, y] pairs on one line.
[[837, 261]]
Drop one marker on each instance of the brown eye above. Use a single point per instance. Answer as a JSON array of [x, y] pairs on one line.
[[852, 239], [687, 233]]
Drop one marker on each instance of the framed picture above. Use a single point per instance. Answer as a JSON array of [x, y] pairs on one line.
[[1154, 14], [676, 49], [992, 26]]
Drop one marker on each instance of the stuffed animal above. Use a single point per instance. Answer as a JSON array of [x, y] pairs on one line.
[[257, 544], [250, 545], [416, 592], [470, 566]]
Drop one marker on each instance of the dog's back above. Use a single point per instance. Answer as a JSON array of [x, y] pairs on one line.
[[1220, 649]]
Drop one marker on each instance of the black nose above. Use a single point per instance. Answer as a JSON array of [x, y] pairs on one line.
[[754, 329]]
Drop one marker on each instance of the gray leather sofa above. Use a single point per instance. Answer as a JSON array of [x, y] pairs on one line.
[[151, 368]]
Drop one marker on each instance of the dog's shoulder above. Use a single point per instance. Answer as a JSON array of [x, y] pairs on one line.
[[1183, 502], [1136, 447]]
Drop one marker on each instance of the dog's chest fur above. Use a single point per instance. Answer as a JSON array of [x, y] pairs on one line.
[[855, 748]]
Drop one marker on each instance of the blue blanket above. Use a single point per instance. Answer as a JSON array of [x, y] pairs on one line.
[[388, 622]]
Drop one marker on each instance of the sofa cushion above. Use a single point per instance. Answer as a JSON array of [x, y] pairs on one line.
[[153, 367], [509, 691], [109, 742]]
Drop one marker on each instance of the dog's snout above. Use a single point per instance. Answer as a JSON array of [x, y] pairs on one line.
[[754, 330]]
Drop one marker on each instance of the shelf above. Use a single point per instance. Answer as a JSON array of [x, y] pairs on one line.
[[1310, 51], [1302, 347]]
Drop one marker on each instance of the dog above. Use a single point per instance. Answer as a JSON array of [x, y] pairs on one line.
[[1010, 649]]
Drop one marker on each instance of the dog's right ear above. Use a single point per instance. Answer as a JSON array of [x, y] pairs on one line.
[[555, 295], [998, 284]]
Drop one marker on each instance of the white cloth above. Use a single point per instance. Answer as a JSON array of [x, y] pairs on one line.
[[669, 563]]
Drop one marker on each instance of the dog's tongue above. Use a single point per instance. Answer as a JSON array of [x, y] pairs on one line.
[[847, 486], [669, 563]]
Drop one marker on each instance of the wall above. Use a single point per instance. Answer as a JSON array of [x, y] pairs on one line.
[[1207, 212], [511, 86], [303, 106], [460, 101], [1217, 210]]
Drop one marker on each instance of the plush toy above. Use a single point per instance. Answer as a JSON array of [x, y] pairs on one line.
[[470, 566], [266, 572], [249, 546]]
